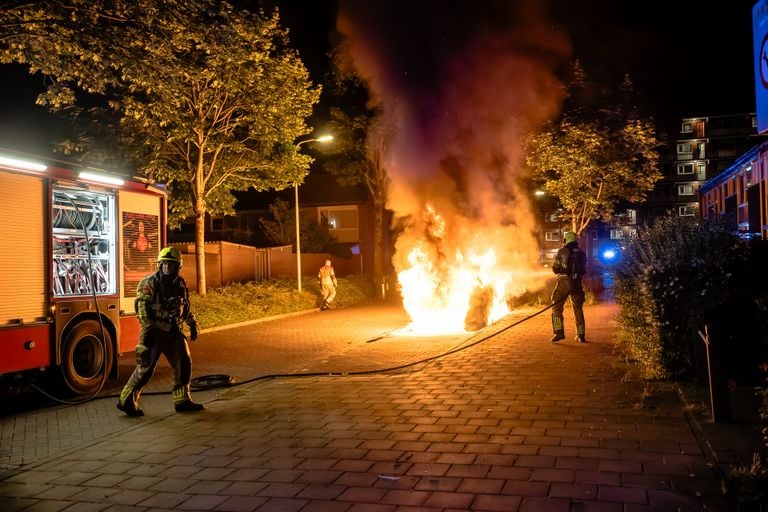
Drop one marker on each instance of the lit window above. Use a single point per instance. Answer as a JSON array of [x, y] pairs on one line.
[[685, 169], [341, 222], [686, 128], [617, 234], [686, 211], [684, 148], [552, 236], [685, 190]]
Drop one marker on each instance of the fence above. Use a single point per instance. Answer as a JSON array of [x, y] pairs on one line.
[[226, 262]]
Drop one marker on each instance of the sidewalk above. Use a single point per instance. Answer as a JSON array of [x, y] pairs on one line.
[[512, 423]]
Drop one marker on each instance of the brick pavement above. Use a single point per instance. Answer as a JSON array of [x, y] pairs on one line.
[[513, 423]]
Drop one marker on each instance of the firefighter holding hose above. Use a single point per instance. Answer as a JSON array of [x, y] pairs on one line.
[[570, 265]]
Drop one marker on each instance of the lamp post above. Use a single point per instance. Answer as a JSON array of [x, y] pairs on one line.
[[324, 138]]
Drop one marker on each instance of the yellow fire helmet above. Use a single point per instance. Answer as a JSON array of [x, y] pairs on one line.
[[170, 254]]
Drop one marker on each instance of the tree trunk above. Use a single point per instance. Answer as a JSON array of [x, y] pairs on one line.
[[198, 186], [200, 252]]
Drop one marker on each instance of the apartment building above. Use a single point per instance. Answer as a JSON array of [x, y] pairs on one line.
[[704, 147]]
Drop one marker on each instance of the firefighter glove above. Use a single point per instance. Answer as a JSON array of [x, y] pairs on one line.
[[193, 331]]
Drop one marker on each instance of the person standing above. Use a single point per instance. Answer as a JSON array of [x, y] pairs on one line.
[[570, 265], [327, 278], [162, 305]]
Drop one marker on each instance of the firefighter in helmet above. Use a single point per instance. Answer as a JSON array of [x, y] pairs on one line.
[[570, 266], [162, 306], [327, 279]]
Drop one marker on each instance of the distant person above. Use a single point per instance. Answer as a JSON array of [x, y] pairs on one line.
[[162, 305], [570, 265], [327, 278]]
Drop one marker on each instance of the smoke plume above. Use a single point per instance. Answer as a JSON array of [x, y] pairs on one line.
[[463, 83]]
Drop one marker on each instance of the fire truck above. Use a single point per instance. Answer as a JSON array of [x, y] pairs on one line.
[[74, 243]]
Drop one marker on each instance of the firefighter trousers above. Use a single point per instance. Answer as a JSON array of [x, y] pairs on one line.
[[567, 287], [173, 345], [329, 293]]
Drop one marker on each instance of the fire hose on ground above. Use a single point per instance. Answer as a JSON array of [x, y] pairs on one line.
[[213, 381]]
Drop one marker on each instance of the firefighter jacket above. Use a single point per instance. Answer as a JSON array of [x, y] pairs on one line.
[[162, 305], [327, 276], [570, 261]]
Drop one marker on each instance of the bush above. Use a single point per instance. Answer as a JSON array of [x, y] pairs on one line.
[[676, 277], [250, 301]]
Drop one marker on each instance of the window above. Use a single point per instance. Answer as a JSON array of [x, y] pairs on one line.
[[686, 211], [617, 234], [685, 190], [685, 169], [684, 148], [552, 235], [687, 128], [341, 222], [701, 170], [217, 223]]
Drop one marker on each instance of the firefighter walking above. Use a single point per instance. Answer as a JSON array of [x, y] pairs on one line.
[[570, 266], [327, 278], [162, 306]]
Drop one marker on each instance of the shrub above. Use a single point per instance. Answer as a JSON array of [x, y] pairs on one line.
[[249, 301], [675, 277]]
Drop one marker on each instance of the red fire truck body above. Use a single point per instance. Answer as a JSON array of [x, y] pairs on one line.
[[73, 246]]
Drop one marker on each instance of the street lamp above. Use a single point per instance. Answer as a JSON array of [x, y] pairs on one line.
[[324, 138]]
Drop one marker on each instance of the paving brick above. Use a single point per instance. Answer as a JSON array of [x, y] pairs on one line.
[[496, 503], [513, 424]]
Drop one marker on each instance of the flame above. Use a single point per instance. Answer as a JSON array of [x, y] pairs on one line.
[[463, 289]]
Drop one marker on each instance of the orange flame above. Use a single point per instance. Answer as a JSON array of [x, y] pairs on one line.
[[450, 292]]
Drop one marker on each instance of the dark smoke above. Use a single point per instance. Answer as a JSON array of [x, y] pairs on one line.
[[464, 83]]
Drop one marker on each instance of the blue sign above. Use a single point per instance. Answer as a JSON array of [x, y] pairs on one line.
[[760, 34]]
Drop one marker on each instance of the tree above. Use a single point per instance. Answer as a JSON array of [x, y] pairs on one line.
[[208, 98], [280, 229], [601, 151], [362, 135]]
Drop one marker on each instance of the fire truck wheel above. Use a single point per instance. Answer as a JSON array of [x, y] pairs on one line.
[[85, 358]]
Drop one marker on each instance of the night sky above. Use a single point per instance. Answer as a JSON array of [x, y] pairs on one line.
[[686, 58]]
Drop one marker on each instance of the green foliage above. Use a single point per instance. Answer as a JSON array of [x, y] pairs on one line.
[[601, 151], [280, 229], [207, 98], [251, 301], [363, 135], [676, 277]]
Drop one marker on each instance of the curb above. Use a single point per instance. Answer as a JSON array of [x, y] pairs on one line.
[[259, 320]]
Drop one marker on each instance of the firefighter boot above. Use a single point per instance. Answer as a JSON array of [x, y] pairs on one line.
[[188, 406], [559, 335], [129, 408], [581, 338]]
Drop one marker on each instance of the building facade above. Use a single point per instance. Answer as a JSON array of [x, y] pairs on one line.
[[704, 147], [738, 195]]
